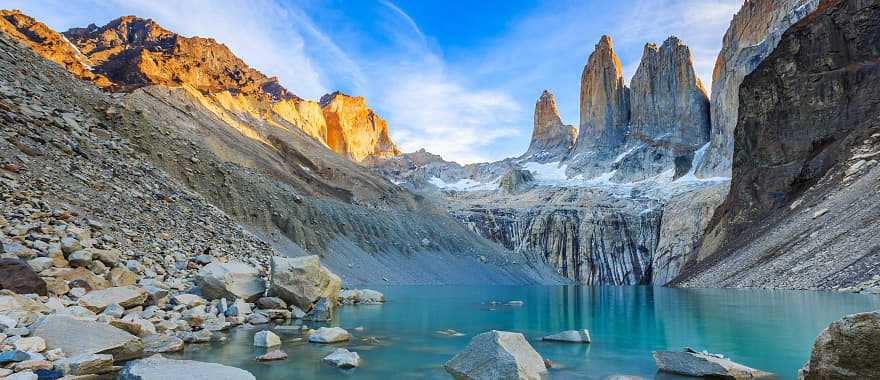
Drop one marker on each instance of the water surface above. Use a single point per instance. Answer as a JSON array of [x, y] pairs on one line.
[[769, 330]]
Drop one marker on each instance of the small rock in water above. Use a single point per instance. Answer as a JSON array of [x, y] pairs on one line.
[[449, 332], [266, 338], [272, 355], [342, 358], [570, 336], [329, 335], [691, 363], [497, 355], [515, 303]]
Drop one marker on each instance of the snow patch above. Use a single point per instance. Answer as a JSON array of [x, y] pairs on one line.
[[464, 184]]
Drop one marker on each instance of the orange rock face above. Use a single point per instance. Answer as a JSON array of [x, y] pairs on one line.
[[355, 130]]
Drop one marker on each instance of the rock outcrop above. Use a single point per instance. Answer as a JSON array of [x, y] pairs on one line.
[[703, 365], [497, 355], [753, 35], [355, 130], [806, 148], [157, 367], [551, 139], [604, 103], [848, 348], [302, 281]]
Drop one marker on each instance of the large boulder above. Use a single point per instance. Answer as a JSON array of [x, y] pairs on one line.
[[329, 335], [76, 336], [157, 367], [16, 275], [342, 358], [697, 364], [570, 336], [125, 296], [497, 355], [301, 281], [848, 348], [231, 280]]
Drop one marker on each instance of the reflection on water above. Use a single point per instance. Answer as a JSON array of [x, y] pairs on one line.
[[769, 330]]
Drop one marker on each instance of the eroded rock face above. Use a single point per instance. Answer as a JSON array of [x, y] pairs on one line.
[[355, 130], [604, 102], [751, 37], [551, 139], [848, 348], [497, 355]]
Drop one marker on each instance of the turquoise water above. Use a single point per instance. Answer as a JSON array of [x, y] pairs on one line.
[[769, 330]]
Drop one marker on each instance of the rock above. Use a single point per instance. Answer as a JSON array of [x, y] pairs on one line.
[[86, 364], [329, 335], [271, 303], [190, 300], [13, 357], [82, 277], [230, 280], [691, 363], [360, 132], [272, 355], [70, 245], [266, 338], [257, 319], [321, 312], [570, 336], [515, 303], [297, 313], [342, 358], [81, 258], [551, 139], [114, 310], [40, 264], [848, 348], [159, 368], [75, 337], [121, 276], [158, 343], [497, 355], [125, 296], [31, 344], [34, 365], [7, 322], [301, 281], [26, 375], [16, 275]]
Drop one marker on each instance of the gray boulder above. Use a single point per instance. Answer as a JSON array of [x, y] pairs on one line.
[[497, 355], [329, 335], [570, 336], [302, 281], [76, 337], [322, 312], [231, 280], [697, 364], [86, 364], [342, 358], [159, 368], [125, 296], [848, 348], [266, 338]]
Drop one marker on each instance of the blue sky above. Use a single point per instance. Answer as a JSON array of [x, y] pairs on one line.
[[459, 78]]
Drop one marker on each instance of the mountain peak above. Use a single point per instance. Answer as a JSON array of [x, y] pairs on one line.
[[604, 101], [551, 139]]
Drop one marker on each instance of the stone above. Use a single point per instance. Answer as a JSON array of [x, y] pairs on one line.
[[70, 245], [302, 281], [82, 276], [33, 365], [125, 296], [360, 133], [266, 338], [7, 323], [297, 313], [114, 310], [231, 280], [848, 348], [81, 258], [76, 336], [159, 343], [272, 356], [257, 319], [190, 300], [691, 363], [26, 375], [497, 355], [121, 276], [360, 296], [570, 336], [157, 367], [342, 358], [271, 303], [321, 312], [329, 335], [16, 275], [56, 286], [86, 364], [551, 139], [13, 357], [40, 264], [31, 344]]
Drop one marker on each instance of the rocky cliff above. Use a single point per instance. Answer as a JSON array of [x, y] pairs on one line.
[[806, 148], [551, 138], [753, 34], [130, 53]]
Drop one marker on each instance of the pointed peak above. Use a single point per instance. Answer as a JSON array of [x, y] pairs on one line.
[[605, 42], [673, 40], [546, 95]]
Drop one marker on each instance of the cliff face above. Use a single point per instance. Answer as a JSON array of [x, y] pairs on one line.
[[604, 102], [805, 152], [551, 139], [130, 53], [667, 99], [752, 36]]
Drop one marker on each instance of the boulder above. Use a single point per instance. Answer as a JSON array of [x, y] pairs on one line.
[[159, 368], [75, 336], [302, 281], [570, 336], [322, 312], [25, 375], [342, 358], [692, 363], [31, 344], [266, 338], [86, 364], [230, 280], [329, 335], [82, 277], [848, 348], [125, 296], [16, 275], [360, 296], [271, 303], [497, 355], [272, 355]]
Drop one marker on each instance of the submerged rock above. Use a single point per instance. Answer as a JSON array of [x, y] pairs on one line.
[[497, 355], [692, 363], [159, 368], [570, 336], [343, 358], [302, 281], [272, 356], [848, 348]]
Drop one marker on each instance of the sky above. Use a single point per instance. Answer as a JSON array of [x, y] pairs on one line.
[[459, 78]]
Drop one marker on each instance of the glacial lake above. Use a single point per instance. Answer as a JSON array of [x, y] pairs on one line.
[[772, 330]]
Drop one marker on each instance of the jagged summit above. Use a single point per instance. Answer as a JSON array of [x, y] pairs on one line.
[[604, 101], [551, 138]]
